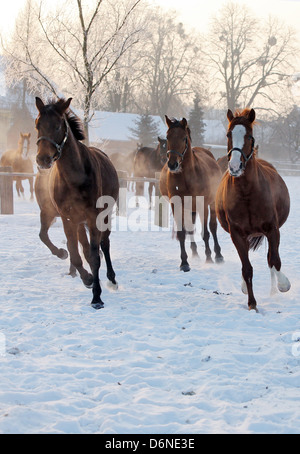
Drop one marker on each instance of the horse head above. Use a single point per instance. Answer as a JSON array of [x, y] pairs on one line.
[[162, 144], [178, 141], [240, 140], [53, 131]]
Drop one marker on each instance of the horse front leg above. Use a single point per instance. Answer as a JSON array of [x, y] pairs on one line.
[[46, 221], [72, 243], [213, 228], [110, 273], [205, 232], [274, 262], [242, 248], [96, 302], [31, 185]]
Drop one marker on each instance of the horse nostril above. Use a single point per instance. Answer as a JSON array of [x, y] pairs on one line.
[[173, 166]]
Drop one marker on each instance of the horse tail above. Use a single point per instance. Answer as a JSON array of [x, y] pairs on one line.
[[255, 242]]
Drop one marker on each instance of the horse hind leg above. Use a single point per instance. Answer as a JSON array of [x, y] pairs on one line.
[[76, 261]]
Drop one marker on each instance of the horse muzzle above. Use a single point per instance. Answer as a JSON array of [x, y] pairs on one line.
[[44, 162]]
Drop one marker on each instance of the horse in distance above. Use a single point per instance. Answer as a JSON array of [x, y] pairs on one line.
[[147, 162], [83, 187], [252, 202], [190, 174], [20, 162]]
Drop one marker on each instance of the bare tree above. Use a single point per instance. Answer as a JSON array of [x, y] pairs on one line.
[[251, 60], [79, 44], [171, 63]]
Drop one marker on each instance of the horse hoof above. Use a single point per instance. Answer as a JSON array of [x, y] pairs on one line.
[[62, 254], [252, 307], [97, 304], [209, 260], [88, 281], [219, 259], [185, 268], [112, 285], [284, 286]]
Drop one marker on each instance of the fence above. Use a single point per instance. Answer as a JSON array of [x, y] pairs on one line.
[[7, 196]]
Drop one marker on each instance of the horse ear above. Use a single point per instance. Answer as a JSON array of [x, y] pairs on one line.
[[251, 116], [159, 139], [39, 103], [229, 115], [184, 122], [63, 106], [168, 121]]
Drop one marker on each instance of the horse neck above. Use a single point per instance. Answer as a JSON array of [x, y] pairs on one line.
[[250, 177], [71, 163]]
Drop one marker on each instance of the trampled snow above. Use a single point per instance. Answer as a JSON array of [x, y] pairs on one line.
[[171, 352]]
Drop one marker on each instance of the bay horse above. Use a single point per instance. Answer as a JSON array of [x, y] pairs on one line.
[[20, 162], [252, 202], [190, 172], [147, 161], [83, 185]]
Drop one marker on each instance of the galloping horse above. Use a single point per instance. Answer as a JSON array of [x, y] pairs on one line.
[[20, 162], [82, 182], [252, 201], [190, 172], [147, 161]]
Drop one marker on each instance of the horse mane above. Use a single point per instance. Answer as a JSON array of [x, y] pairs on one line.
[[176, 124], [74, 121]]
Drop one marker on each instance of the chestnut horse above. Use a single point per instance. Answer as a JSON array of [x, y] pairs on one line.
[[147, 161], [190, 175], [252, 202], [20, 162], [82, 182]]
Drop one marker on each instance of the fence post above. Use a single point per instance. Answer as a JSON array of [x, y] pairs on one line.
[[161, 209], [6, 191], [122, 198]]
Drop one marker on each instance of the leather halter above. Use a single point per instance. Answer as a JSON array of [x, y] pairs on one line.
[[181, 155], [59, 147], [246, 158]]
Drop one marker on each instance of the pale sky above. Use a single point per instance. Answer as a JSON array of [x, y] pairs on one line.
[[193, 13]]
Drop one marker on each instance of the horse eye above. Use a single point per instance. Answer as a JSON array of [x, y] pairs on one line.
[[228, 134]]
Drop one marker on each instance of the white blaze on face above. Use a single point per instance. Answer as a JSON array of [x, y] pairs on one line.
[[238, 140], [25, 149]]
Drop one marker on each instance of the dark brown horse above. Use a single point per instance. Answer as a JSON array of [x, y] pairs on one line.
[[147, 161], [83, 186], [20, 162], [190, 177], [252, 201]]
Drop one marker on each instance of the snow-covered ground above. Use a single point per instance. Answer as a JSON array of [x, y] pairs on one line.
[[171, 352]]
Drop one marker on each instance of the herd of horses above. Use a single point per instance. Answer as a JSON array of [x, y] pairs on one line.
[[243, 192]]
